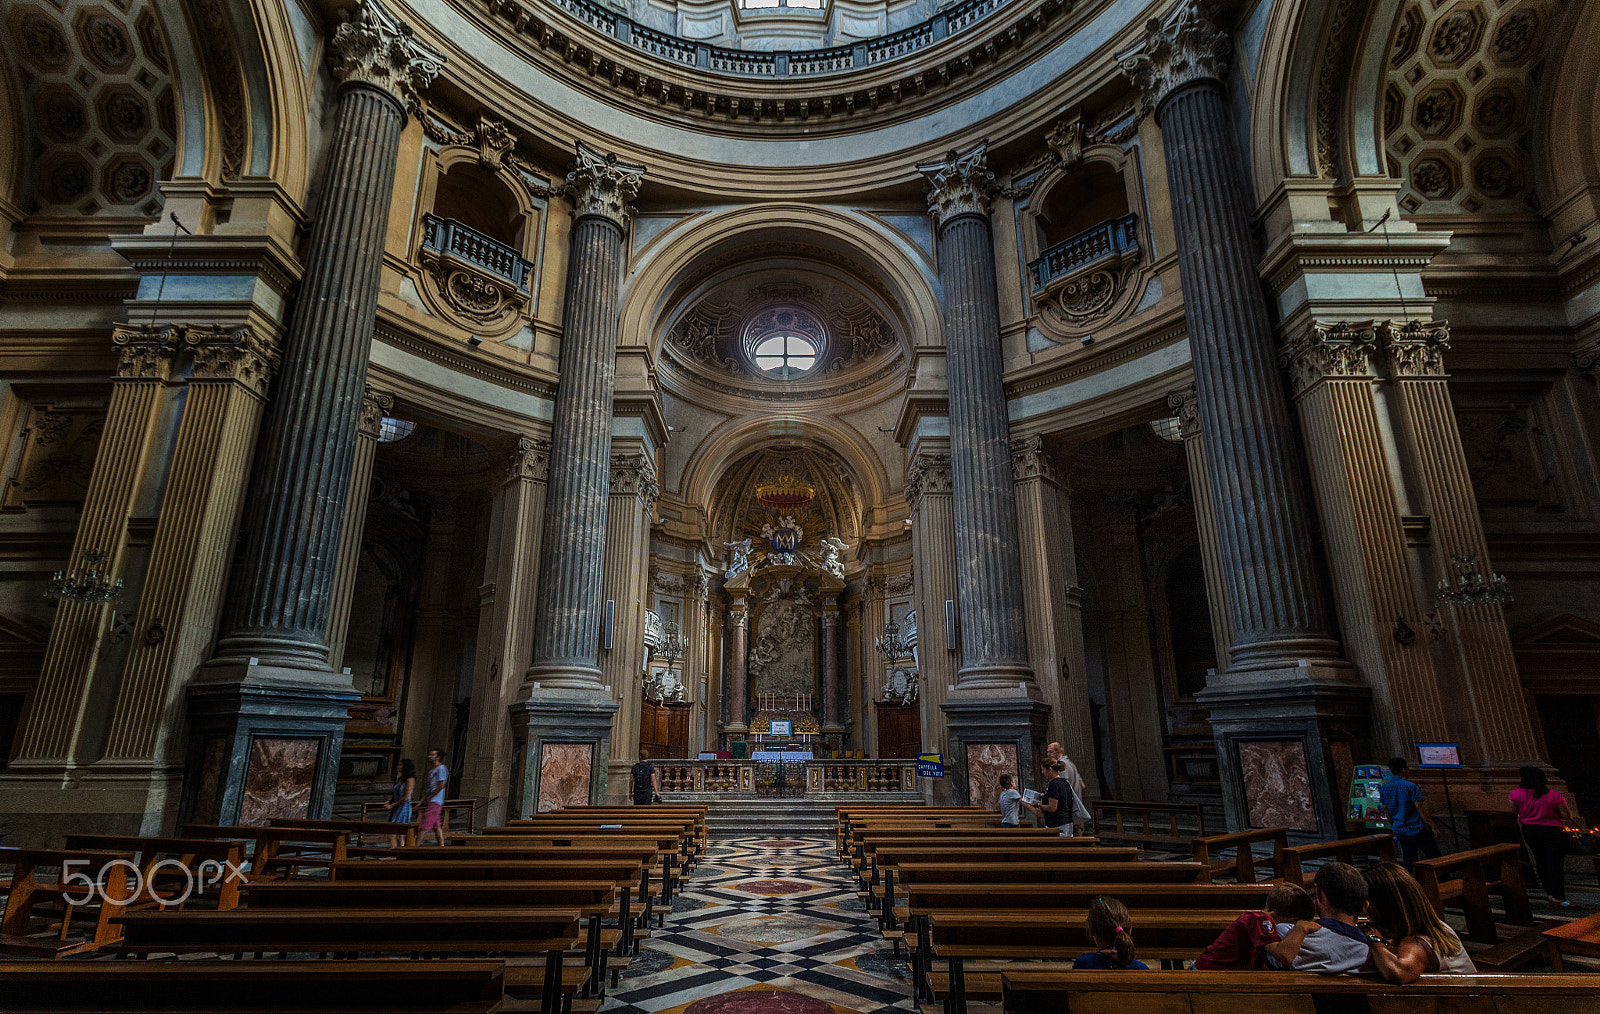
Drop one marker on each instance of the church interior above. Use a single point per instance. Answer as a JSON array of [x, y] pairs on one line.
[[828, 402]]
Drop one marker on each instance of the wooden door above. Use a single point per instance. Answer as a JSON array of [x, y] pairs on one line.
[[899, 730], [677, 729]]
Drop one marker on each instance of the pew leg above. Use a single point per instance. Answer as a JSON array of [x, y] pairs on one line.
[[886, 919], [1555, 957], [592, 957], [551, 1000], [958, 986]]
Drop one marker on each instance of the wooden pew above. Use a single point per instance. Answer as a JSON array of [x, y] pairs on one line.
[[1209, 850], [1028, 991], [663, 848], [279, 848], [1026, 872], [524, 931], [1344, 850], [678, 836], [1147, 824], [204, 864], [846, 816], [979, 849], [358, 829], [32, 896], [1469, 877], [204, 987], [1004, 868]]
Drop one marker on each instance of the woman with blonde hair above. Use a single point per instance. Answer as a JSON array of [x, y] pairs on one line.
[[1415, 941]]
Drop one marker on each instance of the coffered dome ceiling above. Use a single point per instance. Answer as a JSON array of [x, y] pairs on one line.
[[783, 332]]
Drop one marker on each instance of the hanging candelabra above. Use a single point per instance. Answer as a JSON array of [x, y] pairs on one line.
[[91, 582], [900, 684], [665, 684], [1471, 588]]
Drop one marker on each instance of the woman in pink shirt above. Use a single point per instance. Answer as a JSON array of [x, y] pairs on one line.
[[1542, 814]]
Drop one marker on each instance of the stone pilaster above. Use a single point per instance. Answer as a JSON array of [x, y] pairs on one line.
[[374, 405], [290, 564], [933, 582], [51, 742], [270, 696], [1288, 698], [505, 624], [627, 583], [1332, 372], [830, 668], [1488, 707], [695, 665], [1055, 618], [180, 600], [996, 704], [1187, 408]]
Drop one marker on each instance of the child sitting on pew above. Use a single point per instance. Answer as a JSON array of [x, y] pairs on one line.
[[1111, 929], [1243, 945], [1415, 940], [1332, 942]]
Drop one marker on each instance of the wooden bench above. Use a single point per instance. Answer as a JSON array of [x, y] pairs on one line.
[[846, 816], [1469, 877], [350, 931], [869, 872], [1344, 850], [1148, 824], [663, 849], [276, 849], [201, 864], [1028, 991], [962, 869], [357, 829], [1242, 866], [201, 987], [56, 900]]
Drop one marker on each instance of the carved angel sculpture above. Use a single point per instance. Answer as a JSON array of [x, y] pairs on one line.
[[740, 551], [833, 546]]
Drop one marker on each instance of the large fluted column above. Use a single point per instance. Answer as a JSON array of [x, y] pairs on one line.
[[563, 702], [1288, 707], [995, 713], [286, 582], [270, 697], [830, 667], [738, 675]]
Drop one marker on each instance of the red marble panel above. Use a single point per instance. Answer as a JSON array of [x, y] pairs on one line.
[[564, 773], [761, 1000], [986, 762], [1277, 784], [279, 779]]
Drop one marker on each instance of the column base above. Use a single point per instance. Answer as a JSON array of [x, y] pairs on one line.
[[563, 744], [989, 738], [44, 801], [1287, 742], [264, 742]]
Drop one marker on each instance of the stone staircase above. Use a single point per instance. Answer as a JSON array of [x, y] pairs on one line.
[[807, 816]]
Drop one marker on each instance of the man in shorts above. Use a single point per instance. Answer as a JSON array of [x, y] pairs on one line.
[[431, 816]]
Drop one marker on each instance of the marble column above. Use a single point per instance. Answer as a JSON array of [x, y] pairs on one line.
[[373, 406], [830, 668], [627, 583], [738, 677], [995, 714], [270, 696], [933, 582], [563, 699], [1289, 706], [286, 580]]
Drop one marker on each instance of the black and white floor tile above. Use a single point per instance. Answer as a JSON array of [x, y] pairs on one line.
[[766, 926]]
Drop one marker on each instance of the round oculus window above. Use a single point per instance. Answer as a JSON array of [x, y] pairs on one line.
[[784, 342], [785, 355]]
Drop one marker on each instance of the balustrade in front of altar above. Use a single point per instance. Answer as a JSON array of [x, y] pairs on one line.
[[738, 777]]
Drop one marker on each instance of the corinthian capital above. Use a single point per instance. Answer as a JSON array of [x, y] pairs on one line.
[[238, 354], [959, 184], [146, 351], [1416, 347], [1182, 46], [374, 47], [603, 185], [1330, 349]]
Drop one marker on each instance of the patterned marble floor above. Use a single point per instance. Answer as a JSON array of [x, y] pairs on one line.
[[765, 926]]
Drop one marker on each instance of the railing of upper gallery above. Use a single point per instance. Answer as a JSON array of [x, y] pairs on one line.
[[738, 777], [1114, 240], [448, 236]]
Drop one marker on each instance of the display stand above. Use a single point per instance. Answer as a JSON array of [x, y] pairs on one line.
[[1443, 757]]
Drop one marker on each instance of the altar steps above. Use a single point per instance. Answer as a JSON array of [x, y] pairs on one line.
[[804, 816]]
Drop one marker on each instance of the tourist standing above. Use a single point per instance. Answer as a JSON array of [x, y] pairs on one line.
[[1408, 814], [646, 782], [432, 816], [399, 803], [1070, 772], [1542, 813], [1055, 808], [1010, 803]]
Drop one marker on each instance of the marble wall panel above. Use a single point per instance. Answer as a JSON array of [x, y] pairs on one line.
[[565, 770], [986, 762], [279, 779], [1277, 784], [212, 777]]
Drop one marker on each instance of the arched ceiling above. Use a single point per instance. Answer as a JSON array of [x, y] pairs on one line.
[[98, 107], [836, 510]]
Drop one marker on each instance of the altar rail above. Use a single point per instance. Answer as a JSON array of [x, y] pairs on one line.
[[739, 777]]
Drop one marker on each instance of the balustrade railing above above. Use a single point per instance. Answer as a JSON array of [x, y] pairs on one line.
[[448, 236], [739, 777], [1114, 239]]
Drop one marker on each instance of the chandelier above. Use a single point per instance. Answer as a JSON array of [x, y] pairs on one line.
[[1471, 588], [665, 684], [786, 492], [91, 584]]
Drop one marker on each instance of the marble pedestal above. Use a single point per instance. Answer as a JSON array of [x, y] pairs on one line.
[[562, 746], [1287, 740], [989, 738], [264, 742]]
